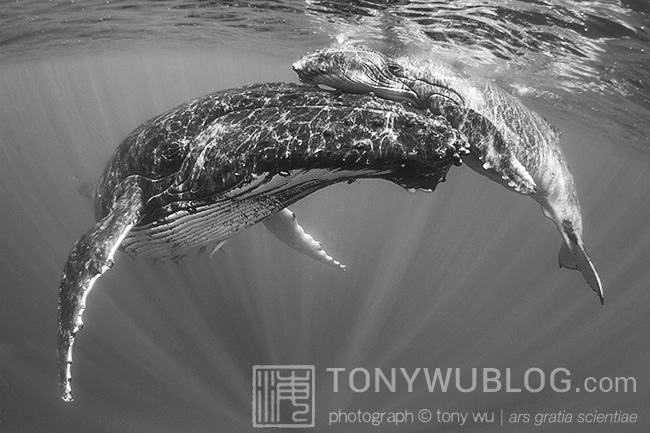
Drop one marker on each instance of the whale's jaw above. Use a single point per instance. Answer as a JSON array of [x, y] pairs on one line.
[[190, 226]]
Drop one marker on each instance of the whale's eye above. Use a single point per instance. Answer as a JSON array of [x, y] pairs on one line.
[[170, 158], [172, 151], [395, 69]]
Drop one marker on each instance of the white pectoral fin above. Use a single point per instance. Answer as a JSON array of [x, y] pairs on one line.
[[575, 257], [91, 256], [505, 169], [515, 178], [492, 155], [284, 225]]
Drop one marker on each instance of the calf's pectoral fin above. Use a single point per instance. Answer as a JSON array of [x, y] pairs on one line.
[[573, 256], [511, 173], [496, 153], [516, 175], [90, 257], [490, 154], [284, 225], [518, 180]]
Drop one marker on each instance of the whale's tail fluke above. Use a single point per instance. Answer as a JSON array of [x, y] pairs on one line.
[[573, 256]]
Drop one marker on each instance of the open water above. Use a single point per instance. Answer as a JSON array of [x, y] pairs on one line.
[[466, 277]]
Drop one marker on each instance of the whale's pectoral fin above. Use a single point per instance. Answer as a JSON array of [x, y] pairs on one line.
[[494, 152], [513, 173], [91, 256], [573, 256], [490, 154], [523, 182], [284, 225]]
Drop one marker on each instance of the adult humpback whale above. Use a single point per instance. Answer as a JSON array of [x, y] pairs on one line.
[[509, 144], [199, 173]]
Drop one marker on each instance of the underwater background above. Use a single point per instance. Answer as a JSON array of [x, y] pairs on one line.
[[464, 277]]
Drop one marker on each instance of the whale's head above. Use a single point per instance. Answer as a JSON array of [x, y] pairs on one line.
[[247, 141], [356, 70]]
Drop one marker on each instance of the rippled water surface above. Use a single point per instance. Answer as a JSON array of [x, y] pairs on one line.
[[464, 277]]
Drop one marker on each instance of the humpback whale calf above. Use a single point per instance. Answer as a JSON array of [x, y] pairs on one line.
[[509, 143], [196, 175]]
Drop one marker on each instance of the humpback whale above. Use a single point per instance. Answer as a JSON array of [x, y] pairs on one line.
[[196, 175], [509, 143]]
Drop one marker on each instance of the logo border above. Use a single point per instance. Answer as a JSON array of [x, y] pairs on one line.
[[312, 368]]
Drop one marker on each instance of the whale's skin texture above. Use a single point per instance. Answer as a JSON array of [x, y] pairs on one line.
[[199, 173], [223, 148], [473, 107], [509, 143]]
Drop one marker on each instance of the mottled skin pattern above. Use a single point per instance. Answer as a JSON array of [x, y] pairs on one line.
[[174, 156], [467, 106], [215, 165], [510, 144]]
